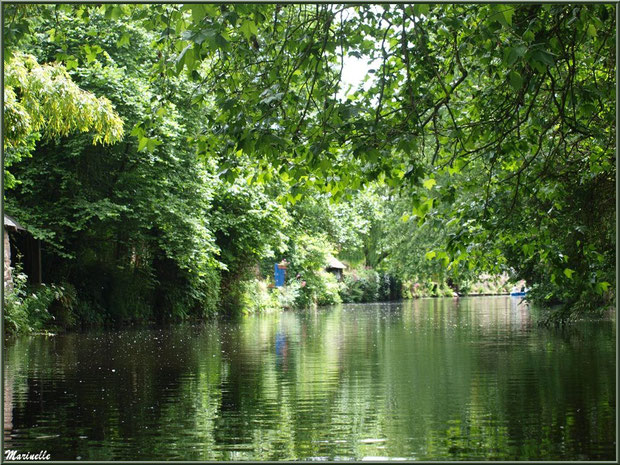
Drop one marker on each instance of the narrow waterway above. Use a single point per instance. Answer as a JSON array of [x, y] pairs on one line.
[[429, 379]]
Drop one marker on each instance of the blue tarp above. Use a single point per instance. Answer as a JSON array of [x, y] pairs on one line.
[[278, 275]]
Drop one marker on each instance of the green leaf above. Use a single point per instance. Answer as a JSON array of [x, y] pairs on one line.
[[602, 287], [248, 29], [542, 57], [516, 81], [142, 143], [508, 12], [181, 60], [421, 9], [512, 54], [422, 209], [198, 12], [373, 155], [457, 166], [429, 183], [569, 273], [152, 143], [190, 59], [430, 255], [116, 12], [124, 40], [71, 63], [137, 131], [528, 36], [221, 42], [503, 14], [211, 10]]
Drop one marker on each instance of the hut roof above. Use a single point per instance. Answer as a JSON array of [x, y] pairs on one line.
[[10, 222], [333, 262]]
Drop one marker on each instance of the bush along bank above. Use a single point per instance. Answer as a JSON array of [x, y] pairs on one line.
[[319, 288], [316, 288], [484, 285], [32, 308], [368, 285]]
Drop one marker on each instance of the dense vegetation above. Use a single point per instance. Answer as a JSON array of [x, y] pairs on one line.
[[169, 155]]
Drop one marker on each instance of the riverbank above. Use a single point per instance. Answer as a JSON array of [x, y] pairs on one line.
[[46, 309]]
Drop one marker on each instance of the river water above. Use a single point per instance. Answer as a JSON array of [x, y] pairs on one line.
[[430, 379]]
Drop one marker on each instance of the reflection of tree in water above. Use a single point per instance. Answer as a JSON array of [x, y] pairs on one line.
[[8, 404], [426, 379]]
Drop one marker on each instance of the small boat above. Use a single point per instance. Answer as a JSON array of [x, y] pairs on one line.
[[518, 291]]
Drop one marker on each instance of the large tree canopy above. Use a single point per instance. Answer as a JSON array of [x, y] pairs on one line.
[[494, 124], [457, 82], [497, 118]]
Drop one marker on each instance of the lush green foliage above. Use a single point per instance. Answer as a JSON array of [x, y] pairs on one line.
[[30, 308], [313, 286], [481, 141], [258, 298], [367, 285], [248, 225], [43, 101], [127, 224], [362, 286]]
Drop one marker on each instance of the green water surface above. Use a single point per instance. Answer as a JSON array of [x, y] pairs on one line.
[[430, 379]]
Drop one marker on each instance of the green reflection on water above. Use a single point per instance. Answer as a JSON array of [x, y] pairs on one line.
[[427, 379]]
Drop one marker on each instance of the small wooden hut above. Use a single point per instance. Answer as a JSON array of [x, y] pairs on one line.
[[18, 242], [335, 266]]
